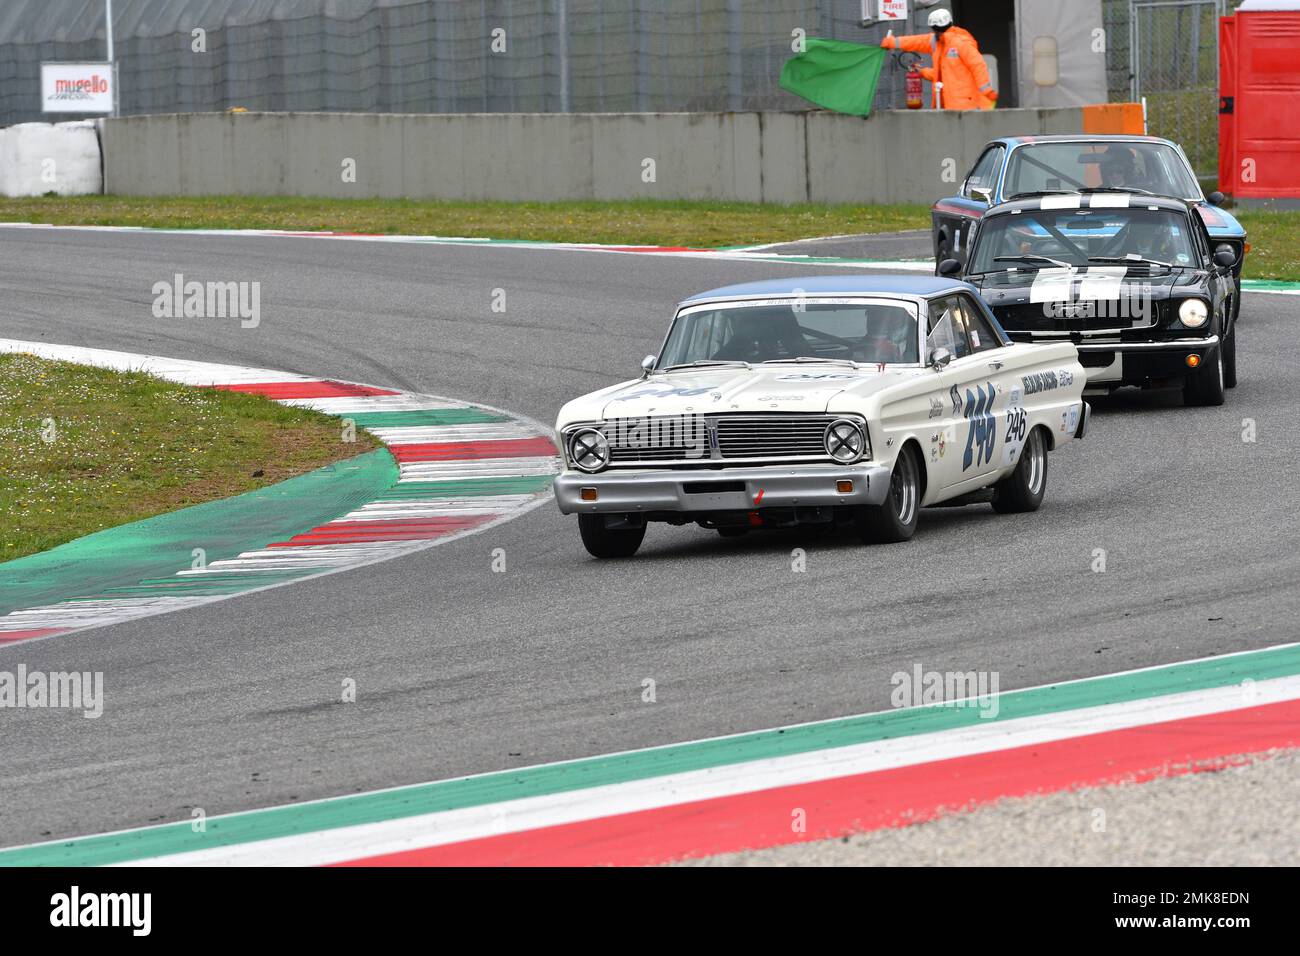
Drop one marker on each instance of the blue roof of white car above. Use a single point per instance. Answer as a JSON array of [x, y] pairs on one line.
[[839, 285]]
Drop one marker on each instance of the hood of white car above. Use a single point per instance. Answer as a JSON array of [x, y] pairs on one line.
[[786, 388]]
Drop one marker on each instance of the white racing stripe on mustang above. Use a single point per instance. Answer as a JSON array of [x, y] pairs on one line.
[[1052, 285], [1109, 200], [1102, 282], [530, 813]]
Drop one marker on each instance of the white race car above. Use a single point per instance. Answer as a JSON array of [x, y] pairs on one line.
[[850, 400]]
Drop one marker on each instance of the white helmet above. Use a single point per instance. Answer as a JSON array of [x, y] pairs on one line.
[[940, 18]]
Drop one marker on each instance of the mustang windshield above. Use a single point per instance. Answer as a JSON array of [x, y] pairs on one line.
[[868, 332], [1055, 167], [1050, 238]]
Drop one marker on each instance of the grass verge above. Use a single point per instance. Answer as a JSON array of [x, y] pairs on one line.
[[88, 448], [1273, 236], [1274, 253], [640, 222]]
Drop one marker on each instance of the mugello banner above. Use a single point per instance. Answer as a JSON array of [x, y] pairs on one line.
[[77, 87]]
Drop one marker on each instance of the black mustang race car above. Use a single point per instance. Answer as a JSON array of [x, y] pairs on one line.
[[1133, 280]]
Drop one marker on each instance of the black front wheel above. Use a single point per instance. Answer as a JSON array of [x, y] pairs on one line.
[[1024, 488], [604, 542], [895, 518], [1205, 385], [1230, 359]]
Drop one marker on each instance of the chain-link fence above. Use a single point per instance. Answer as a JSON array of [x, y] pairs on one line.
[[1167, 52], [430, 55]]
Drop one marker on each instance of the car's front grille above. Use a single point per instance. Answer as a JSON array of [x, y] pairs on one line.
[[715, 440], [763, 436], [1091, 316]]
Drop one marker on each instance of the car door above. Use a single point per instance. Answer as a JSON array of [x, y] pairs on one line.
[[964, 439], [953, 219], [1006, 396], [1220, 278]]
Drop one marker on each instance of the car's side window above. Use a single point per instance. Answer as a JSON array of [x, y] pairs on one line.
[[946, 329], [985, 172], [981, 334], [1205, 245]]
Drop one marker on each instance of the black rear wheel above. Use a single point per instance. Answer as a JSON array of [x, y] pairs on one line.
[[604, 542]]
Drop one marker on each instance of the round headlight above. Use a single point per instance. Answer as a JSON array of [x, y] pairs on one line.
[[1193, 313], [588, 449], [845, 441]]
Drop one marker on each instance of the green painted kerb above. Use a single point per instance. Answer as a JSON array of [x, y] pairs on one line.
[[119, 562], [644, 764]]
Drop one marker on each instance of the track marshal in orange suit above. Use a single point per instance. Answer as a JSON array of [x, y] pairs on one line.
[[957, 63]]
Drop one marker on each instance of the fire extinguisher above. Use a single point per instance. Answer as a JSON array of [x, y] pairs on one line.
[[912, 80]]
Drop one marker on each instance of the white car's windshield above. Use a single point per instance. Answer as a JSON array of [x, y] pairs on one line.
[[1034, 239], [794, 331], [1055, 167]]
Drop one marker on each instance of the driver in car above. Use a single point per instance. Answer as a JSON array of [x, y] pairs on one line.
[[766, 336], [891, 338], [1119, 168]]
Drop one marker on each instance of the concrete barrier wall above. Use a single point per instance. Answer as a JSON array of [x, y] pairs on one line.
[[890, 157]]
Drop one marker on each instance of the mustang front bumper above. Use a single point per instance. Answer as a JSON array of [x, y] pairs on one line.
[[1135, 363], [724, 489]]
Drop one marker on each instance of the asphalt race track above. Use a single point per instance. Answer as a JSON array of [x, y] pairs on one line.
[[234, 705]]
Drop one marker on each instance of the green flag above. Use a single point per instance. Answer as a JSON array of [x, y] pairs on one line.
[[835, 75]]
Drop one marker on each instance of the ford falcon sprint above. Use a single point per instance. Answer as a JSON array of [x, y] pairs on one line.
[[1134, 282], [851, 401], [1022, 166]]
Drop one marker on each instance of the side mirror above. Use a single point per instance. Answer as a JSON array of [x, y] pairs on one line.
[[981, 194], [949, 267], [648, 363], [1224, 256], [939, 358], [1215, 198]]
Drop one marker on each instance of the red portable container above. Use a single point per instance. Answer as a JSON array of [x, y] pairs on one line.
[[1259, 87]]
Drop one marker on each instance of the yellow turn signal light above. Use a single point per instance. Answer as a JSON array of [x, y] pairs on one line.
[[844, 487], [1193, 361], [590, 494]]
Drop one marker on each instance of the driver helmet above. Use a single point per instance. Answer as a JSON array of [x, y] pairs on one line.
[[1119, 166], [891, 335]]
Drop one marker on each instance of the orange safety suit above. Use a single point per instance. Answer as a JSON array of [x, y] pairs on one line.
[[957, 64]]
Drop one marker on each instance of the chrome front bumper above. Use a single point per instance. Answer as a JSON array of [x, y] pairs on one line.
[[724, 489]]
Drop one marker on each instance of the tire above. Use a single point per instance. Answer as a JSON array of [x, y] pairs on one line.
[[942, 254], [602, 542], [1230, 359], [1205, 386], [1024, 488], [894, 520]]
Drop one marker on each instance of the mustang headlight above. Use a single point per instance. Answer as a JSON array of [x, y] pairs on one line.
[[588, 449], [845, 440], [1193, 313]]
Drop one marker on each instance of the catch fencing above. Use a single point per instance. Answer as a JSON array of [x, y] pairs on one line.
[[1167, 52], [430, 56]]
